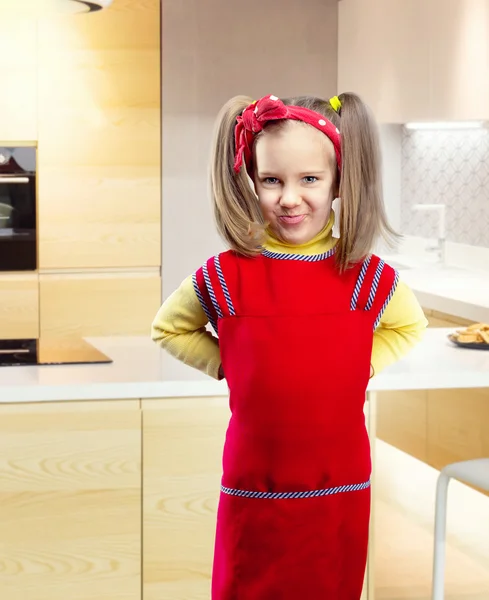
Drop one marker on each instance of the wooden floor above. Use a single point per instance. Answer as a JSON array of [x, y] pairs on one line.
[[405, 493]]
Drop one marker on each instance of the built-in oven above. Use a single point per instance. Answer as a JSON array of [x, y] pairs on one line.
[[18, 221]]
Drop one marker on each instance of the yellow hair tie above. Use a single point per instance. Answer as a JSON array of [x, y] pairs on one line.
[[335, 103]]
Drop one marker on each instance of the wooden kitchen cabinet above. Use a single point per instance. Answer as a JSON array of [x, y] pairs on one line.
[[182, 456], [438, 319], [383, 55], [402, 421], [19, 305], [437, 427], [70, 497], [458, 426], [100, 138], [459, 58], [98, 304], [18, 65], [420, 60]]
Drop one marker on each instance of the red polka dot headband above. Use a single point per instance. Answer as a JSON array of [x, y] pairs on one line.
[[271, 108]]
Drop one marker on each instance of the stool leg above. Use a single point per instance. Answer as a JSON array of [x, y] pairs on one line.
[[440, 536]]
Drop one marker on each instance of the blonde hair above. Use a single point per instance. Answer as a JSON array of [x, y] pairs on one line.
[[363, 219]]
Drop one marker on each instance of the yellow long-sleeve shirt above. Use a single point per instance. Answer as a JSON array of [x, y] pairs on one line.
[[180, 325]]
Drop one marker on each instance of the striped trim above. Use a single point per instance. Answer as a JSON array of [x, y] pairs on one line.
[[389, 297], [224, 286], [359, 283], [210, 289], [295, 495], [203, 303], [375, 285], [303, 258]]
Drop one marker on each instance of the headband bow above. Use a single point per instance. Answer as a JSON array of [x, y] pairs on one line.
[[270, 108]]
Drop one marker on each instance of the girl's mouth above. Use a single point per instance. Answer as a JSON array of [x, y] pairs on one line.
[[292, 219]]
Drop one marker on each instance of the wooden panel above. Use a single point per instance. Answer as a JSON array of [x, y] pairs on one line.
[[99, 216], [182, 452], [19, 306], [440, 319], [389, 71], [459, 58], [97, 305], [99, 141], [18, 69], [458, 422], [402, 421], [402, 417], [70, 492]]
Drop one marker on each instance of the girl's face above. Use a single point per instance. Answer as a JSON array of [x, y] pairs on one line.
[[295, 180]]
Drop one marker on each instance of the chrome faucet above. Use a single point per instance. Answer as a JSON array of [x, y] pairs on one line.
[[439, 248]]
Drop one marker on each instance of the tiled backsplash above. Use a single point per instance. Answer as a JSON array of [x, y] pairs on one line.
[[451, 168]]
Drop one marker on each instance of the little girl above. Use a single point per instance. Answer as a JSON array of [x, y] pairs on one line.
[[305, 316]]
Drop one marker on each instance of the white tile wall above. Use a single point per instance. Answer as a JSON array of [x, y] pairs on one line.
[[450, 167]]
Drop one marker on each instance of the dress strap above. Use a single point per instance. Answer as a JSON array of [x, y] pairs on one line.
[[212, 291], [374, 288]]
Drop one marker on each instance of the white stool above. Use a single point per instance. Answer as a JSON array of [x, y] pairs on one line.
[[474, 472]]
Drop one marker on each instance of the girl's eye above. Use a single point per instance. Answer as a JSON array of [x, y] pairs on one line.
[[310, 179], [271, 180]]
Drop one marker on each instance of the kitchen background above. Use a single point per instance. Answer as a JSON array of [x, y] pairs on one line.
[[114, 237], [85, 89], [449, 168], [120, 107]]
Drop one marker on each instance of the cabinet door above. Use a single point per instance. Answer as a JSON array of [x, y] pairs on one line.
[[401, 421], [406, 420], [99, 304], [458, 422], [70, 497], [459, 54], [100, 138], [19, 306], [384, 56], [182, 449], [18, 65]]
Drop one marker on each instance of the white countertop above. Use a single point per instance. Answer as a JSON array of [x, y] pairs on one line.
[[141, 370], [450, 290]]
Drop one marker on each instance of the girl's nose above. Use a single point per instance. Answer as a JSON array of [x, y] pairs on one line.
[[290, 198]]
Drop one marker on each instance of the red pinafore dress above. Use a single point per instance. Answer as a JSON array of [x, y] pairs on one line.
[[296, 340]]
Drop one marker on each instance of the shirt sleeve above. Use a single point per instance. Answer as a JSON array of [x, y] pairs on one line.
[[180, 328], [401, 327]]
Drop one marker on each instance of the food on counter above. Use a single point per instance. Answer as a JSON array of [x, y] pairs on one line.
[[478, 333]]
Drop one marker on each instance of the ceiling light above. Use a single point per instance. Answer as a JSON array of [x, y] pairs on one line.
[[439, 125], [83, 6], [37, 9]]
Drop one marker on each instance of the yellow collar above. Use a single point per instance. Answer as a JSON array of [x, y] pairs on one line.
[[321, 243]]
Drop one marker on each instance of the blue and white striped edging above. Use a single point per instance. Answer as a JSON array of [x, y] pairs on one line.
[[359, 283], [295, 495], [303, 258], [203, 303], [210, 289], [388, 299], [375, 285], [224, 286]]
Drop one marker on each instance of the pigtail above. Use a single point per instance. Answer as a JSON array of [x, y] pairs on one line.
[[363, 217], [236, 209]]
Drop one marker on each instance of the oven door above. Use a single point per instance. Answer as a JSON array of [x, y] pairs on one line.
[[18, 239]]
